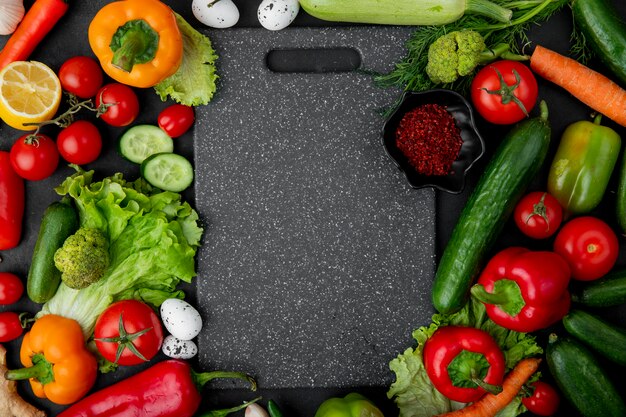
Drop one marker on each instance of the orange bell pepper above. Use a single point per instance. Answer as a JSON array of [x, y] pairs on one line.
[[57, 363], [137, 42]]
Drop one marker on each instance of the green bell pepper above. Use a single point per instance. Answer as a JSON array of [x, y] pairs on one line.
[[583, 165], [352, 405]]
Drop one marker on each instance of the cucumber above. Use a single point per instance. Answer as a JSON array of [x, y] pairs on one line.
[[514, 165], [620, 196], [603, 337], [59, 221], [168, 171], [140, 141], [609, 291], [402, 12], [604, 33], [582, 380]]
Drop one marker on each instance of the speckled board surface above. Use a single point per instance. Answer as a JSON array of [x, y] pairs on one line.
[[318, 257]]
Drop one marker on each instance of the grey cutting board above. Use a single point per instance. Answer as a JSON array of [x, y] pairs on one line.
[[318, 258]]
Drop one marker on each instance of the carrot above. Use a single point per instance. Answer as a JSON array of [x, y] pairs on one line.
[[490, 404], [37, 23], [587, 85]]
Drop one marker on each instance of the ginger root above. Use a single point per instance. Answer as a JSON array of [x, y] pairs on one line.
[[11, 404]]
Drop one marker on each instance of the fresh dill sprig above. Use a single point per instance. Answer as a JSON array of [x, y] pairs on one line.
[[410, 72]]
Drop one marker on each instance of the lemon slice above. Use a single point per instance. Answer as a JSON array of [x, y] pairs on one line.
[[30, 92]]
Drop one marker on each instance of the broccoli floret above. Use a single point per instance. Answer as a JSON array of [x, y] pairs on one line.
[[83, 258], [454, 54]]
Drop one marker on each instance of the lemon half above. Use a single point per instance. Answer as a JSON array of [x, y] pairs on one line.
[[30, 92]]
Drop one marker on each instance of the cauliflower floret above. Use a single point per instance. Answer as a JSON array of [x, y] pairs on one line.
[[83, 258], [454, 54]]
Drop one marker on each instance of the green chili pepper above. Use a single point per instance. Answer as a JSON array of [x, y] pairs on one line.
[[352, 405], [583, 165]]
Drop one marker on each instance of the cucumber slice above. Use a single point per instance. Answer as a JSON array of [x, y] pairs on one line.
[[168, 171], [141, 141]]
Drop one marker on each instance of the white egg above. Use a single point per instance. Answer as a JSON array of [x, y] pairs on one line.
[[181, 319], [215, 13], [277, 14], [179, 349]]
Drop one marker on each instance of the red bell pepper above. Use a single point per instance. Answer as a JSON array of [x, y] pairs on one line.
[[169, 388], [524, 290], [464, 363], [11, 204]]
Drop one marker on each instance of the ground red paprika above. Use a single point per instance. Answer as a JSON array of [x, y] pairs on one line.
[[429, 138]]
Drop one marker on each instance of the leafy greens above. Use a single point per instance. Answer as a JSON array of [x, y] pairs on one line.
[[153, 237], [412, 390], [194, 83]]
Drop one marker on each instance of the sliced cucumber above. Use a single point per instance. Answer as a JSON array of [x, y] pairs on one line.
[[168, 171], [141, 141]]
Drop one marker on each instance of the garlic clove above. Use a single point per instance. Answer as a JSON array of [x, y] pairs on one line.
[[255, 410], [11, 14]]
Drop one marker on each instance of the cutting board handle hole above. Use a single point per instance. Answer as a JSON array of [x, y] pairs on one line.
[[316, 60]]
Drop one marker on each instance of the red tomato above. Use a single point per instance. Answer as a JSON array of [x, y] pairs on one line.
[[538, 215], [10, 326], [589, 246], [34, 158], [504, 92], [81, 76], [544, 400], [128, 332], [80, 143], [117, 104], [176, 119], [11, 288]]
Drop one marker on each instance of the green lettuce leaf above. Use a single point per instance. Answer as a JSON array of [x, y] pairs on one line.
[[194, 83], [153, 238], [412, 390]]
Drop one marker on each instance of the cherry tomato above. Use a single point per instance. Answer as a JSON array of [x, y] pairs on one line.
[[544, 400], [538, 215], [10, 326], [589, 246], [80, 143], [176, 119], [34, 157], [128, 332], [81, 76], [117, 104], [11, 288], [504, 92]]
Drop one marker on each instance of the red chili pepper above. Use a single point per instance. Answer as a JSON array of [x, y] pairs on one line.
[[524, 290], [37, 23], [464, 363], [169, 388], [11, 204]]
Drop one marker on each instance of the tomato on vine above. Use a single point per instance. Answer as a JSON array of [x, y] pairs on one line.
[[34, 157], [128, 332], [538, 215], [80, 143], [504, 92], [117, 104], [81, 76]]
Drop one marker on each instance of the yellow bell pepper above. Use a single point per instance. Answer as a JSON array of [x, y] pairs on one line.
[[137, 42], [57, 363]]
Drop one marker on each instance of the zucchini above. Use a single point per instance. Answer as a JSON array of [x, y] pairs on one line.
[[599, 335], [582, 380], [59, 221], [609, 291], [514, 165], [403, 12], [604, 33]]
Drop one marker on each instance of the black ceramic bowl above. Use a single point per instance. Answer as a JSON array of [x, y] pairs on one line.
[[472, 149]]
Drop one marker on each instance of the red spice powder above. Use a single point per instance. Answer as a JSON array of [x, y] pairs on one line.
[[429, 138]]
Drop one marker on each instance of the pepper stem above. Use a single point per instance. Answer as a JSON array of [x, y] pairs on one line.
[[40, 371], [506, 294], [136, 42], [490, 388], [202, 378]]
